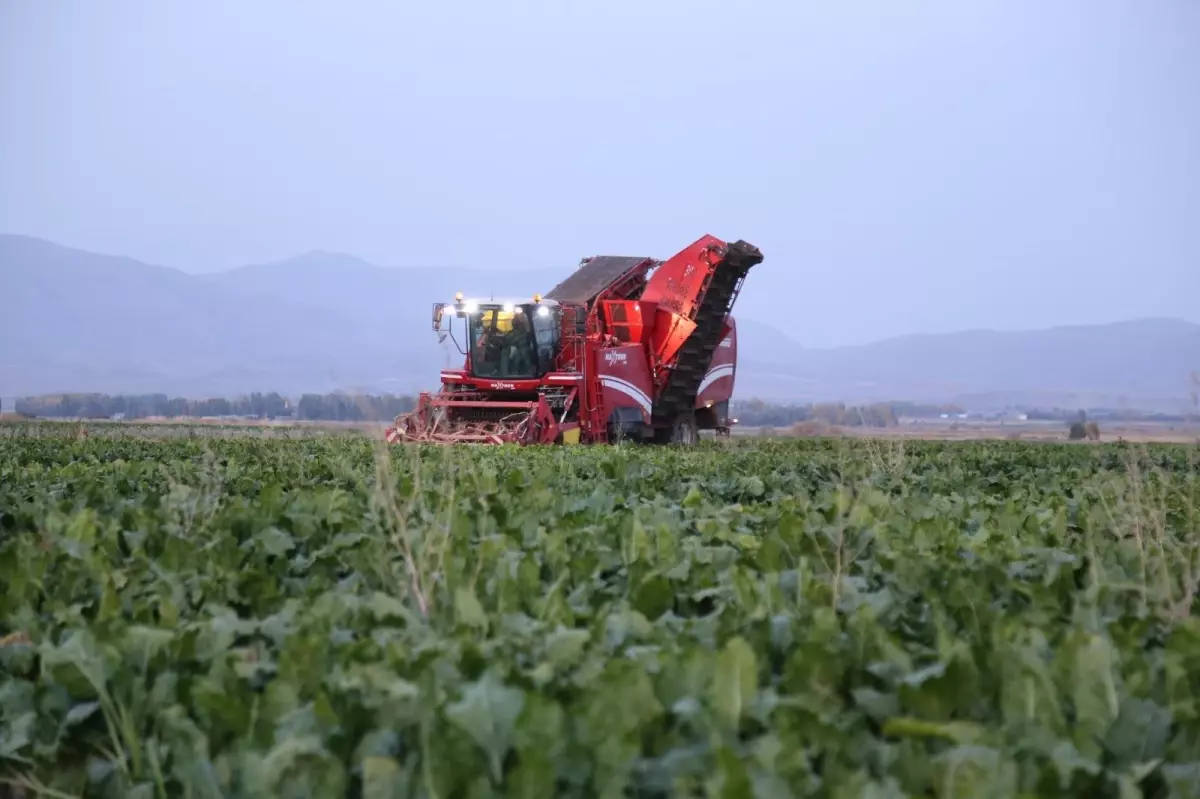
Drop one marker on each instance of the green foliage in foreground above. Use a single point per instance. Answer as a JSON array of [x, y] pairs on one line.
[[210, 618]]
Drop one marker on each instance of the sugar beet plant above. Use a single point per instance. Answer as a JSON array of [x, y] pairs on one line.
[[209, 618]]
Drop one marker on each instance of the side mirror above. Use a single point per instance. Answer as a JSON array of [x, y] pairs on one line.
[[439, 310]]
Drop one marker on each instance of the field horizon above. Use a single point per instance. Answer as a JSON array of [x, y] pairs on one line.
[[927, 430]]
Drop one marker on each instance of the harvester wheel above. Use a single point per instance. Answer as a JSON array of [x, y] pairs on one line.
[[684, 431]]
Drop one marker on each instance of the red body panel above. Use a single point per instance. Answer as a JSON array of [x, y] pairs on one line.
[[626, 321], [677, 285], [624, 379], [676, 289], [717, 385]]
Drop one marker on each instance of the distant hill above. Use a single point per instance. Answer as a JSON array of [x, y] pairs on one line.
[[1135, 363], [75, 320]]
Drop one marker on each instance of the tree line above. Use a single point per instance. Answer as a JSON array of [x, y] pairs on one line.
[[343, 407], [1103, 414], [380, 408], [271, 405], [756, 413]]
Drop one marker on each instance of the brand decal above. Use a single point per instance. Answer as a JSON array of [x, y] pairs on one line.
[[509, 386], [726, 343], [611, 356]]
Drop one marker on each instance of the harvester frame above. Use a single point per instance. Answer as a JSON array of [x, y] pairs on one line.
[[623, 348]]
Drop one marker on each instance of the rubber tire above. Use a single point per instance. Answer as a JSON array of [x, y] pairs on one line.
[[684, 431]]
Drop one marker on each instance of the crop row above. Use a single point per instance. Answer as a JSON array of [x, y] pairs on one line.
[[206, 617]]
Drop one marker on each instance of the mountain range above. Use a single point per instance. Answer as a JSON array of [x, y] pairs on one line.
[[72, 320]]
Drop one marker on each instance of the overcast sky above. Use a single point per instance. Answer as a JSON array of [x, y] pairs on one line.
[[905, 166]]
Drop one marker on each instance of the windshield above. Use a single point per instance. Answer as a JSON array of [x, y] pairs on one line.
[[503, 344]]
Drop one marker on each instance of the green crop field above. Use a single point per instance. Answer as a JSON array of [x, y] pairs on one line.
[[209, 617]]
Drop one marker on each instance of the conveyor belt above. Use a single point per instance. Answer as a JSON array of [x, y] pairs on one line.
[[678, 394], [592, 278]]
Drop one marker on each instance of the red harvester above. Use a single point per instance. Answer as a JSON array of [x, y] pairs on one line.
[[625, 347]]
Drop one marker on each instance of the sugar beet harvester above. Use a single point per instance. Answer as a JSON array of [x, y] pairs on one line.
[[625, 348]]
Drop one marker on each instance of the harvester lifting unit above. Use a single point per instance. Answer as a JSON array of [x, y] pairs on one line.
[[624, 348]]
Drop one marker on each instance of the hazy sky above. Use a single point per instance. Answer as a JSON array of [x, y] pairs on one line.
[[905, 166]]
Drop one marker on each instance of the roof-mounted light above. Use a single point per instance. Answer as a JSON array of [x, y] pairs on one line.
[[458, 296], [537, 297]]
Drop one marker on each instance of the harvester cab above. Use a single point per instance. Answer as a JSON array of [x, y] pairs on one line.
[[511, 340], [624, 347]]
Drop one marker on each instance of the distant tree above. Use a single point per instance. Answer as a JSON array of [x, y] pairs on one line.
[[93, 408]]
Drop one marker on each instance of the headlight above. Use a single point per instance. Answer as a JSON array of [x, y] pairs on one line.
[[508, 308], [543, 311], [470, 306]]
